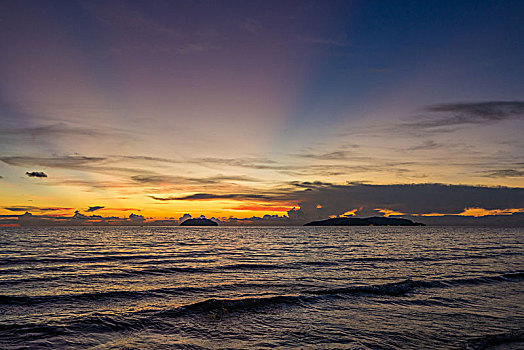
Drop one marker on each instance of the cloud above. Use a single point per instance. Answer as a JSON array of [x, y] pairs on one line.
[[311, 184], [137, 32], [46, 122], [72, 162], [65, 162], [405, 198], [79, 219], [95, 208], [209, 196], [34, 208], [136, 219], [513, 220], [51, 130], [435, 204], [335, 155], [123, 209], [39, 174], [266, 220], [185, 217], [318, 200], [168, 179], [461, 114], [505, 173], [261, 207], [121, 17], [106, 164], [247, 162], [426, 145]]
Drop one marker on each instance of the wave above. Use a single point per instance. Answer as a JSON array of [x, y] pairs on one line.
[[225, 306], [95, 296], [430, 258], [143, 319], [175, 258], [126, 272], [504, 277], [493, 340], [252, 266], [98, 258], [389, 289], [216, 308]]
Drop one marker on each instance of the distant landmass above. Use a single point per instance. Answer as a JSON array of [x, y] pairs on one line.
[[198, 222], [373, 221]]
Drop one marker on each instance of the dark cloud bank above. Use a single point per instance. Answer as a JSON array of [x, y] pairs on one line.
[[321, 200], [408, 198]]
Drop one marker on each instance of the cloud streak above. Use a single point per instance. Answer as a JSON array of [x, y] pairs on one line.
[[502, 173], [25, 208], [94, 208], [210, 196], [462, 114]]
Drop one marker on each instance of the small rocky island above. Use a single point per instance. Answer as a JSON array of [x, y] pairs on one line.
[[372, 221], [199, 222]]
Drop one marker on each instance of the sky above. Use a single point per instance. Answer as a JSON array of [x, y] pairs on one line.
[[261, 112]]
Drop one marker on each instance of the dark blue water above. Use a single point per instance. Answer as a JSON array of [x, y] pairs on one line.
[[255, 288]]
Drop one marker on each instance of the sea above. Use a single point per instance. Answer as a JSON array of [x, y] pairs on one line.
[[261, 288]]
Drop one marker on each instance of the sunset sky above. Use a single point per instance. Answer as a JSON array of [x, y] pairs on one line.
[[297, 110]]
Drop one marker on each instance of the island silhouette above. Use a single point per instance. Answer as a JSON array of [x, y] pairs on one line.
[[199, 222], [371, 221]]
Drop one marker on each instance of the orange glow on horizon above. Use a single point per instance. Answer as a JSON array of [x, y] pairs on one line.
[[350, 213], [268, 208], [388, 212], [479, 212]]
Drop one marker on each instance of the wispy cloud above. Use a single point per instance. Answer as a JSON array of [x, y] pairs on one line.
[[501, 173], [333, 155], [51, 130], [426, 145], [167, 179], [461, 114], [66, 162], [122, 17], [25, 208], [73, 162], [139, 171], [210, 196], [139, 32]]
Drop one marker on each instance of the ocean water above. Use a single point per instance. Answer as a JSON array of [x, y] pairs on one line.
[[262, 287]]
